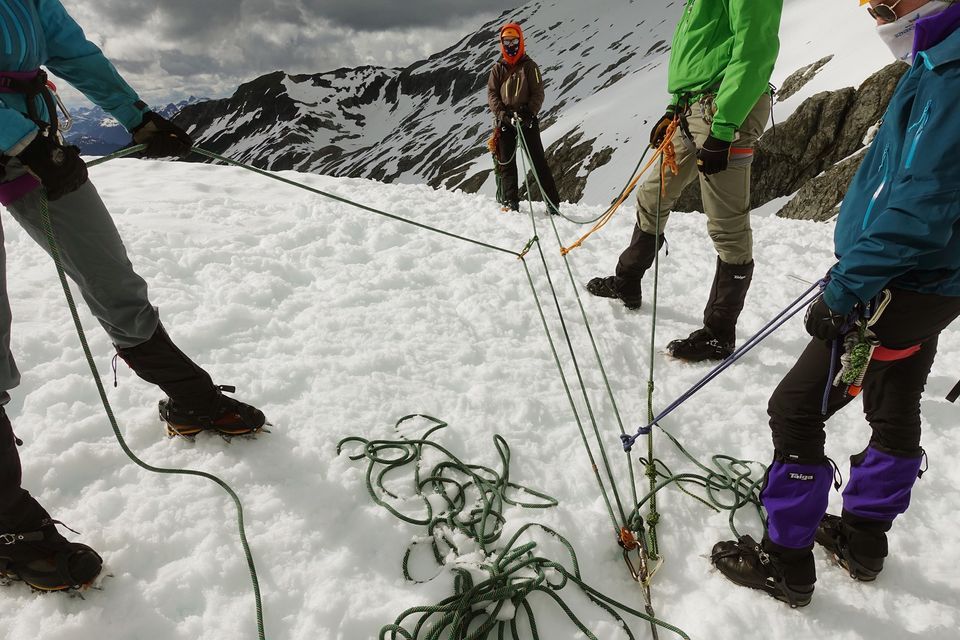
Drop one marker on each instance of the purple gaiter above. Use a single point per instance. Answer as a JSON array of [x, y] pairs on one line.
[[795, 497], [880, 484]]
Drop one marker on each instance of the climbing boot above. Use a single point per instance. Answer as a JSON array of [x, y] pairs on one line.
[[788, 574], [858, 549], [612, 287], [226, 416], [32, 550], [193, 402], [699, 346]]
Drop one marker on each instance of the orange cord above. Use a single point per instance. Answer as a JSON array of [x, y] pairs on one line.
[[668, 152], [494, 140]]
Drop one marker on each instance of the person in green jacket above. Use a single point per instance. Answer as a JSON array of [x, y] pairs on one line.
[[723, 55]]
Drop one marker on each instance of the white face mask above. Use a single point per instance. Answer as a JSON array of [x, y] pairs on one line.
[[899, 35]]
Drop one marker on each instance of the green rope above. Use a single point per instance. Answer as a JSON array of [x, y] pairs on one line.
[[556, 205], [653, 516], [55, 254], [117, 154], [586, 320], [472, 496], [563, 325], [347, 201], [728, 475], [573, 406]]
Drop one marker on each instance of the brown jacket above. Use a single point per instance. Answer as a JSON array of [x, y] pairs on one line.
[[511, 88]]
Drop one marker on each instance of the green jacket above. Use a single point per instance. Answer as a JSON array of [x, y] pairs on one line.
[[728, 47]]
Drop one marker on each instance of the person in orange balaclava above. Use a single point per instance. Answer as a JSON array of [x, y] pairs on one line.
[[515, 95]]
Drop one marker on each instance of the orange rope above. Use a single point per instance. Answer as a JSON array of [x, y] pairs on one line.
[[494, 141], [667, 151]]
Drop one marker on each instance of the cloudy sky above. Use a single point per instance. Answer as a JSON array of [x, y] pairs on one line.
[[176, 48]]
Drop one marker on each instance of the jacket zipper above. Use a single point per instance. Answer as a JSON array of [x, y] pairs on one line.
[[883, 185], [919, 126]]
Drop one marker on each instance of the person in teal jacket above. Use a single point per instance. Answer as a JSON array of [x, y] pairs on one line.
[[38, 171], [894, 289], [720, 65]]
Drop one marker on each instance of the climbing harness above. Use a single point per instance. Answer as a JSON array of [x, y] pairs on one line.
[[32, 85], [859, 346]]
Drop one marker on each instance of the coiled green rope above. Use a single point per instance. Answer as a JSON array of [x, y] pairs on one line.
[[472, 498]]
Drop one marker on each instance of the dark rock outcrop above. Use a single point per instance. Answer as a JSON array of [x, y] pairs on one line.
[[827, 129], [571, 159], [818, 198], [799, 79]]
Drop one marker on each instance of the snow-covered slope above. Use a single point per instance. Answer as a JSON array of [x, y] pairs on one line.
[[337, 323], [604, 65]]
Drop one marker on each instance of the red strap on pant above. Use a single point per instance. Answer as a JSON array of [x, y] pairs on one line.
[[883, 354]]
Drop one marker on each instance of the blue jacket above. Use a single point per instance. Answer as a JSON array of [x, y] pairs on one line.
[[899, 225], [40, 32]]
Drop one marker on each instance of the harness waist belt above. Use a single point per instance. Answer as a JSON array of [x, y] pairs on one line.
[[883, 354], [24, 82]]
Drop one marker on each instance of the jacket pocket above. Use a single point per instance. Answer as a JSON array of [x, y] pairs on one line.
[[917, 129], [885, 172]]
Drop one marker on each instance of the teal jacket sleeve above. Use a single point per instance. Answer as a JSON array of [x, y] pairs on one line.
[[756, 45], [920, 219], [81, 63]]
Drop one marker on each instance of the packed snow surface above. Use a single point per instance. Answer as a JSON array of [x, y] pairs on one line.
[[338, 322]]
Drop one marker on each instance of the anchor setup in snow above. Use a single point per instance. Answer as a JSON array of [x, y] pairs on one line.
[[635, 535]]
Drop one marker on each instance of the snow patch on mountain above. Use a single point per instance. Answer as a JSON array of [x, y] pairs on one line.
[[605, 75]]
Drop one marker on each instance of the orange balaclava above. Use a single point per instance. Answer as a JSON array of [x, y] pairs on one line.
[[511, 31]]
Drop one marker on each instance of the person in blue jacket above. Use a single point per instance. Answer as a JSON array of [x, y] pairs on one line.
[[898, 247], [38, 171]]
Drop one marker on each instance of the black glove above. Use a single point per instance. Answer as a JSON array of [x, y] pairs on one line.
[[659, 131], [59, 168], [526, 116], [162, 137], [714, 156], [823, 322]]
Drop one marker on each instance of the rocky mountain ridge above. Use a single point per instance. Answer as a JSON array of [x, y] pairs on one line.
[[605, 78]]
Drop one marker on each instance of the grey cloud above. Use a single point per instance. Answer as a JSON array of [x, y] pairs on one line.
[[209, 47], [376, 15]]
